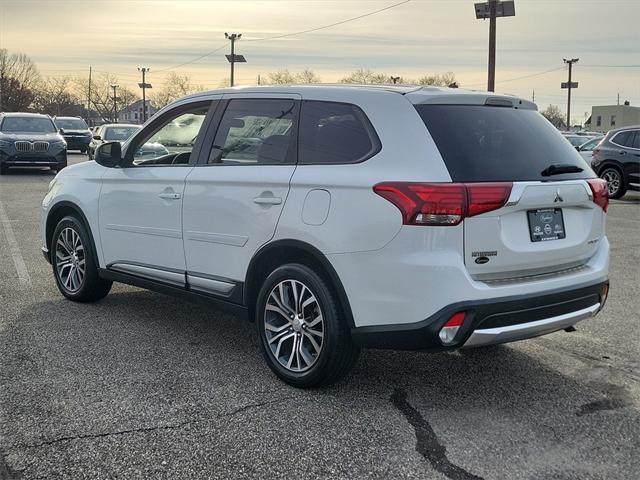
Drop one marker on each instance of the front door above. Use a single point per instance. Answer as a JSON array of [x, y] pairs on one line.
[[233, 199], [140, 210]]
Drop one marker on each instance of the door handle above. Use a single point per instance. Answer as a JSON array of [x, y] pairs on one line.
[[267, 200], [169, 196]]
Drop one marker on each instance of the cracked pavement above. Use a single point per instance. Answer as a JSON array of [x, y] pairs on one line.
[[142, 385]]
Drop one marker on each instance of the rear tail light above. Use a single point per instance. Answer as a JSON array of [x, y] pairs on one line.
[[600, 192], [443, 203], [450, 329]]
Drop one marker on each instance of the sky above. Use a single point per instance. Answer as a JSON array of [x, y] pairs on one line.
[[415, 38]]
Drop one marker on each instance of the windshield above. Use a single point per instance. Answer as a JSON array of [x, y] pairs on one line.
[[119, 133], [481, 143], [27, 125], [576, 141], [71, 123]]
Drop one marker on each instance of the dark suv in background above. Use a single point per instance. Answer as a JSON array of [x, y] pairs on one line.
[[617, 160], [30, 139], [75, 132]]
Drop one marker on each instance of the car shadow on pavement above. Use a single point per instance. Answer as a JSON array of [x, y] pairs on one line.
[[138, 358]]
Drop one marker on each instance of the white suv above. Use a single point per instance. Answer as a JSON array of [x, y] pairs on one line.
[[337, 217]]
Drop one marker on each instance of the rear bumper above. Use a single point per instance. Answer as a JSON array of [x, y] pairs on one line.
[[493, 321]]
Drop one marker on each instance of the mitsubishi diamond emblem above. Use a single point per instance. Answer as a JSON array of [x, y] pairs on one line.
[[558, 197]]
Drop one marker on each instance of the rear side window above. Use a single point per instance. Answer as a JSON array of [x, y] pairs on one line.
[[335, 133], [256, 132], [480, 143], [625, 139]]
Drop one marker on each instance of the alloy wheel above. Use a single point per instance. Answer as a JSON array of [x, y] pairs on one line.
[[613, 180], [294, 326], [70, 260]]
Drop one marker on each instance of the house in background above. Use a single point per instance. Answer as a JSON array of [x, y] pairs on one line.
[[133, 113], [607, 117]]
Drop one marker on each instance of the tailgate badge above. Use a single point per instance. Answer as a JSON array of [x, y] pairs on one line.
[[558, 197]]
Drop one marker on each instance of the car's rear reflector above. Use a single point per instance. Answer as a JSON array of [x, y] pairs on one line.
[[600, 192], [443, 203], [448, 332]]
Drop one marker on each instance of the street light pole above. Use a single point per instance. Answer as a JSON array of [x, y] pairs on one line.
[[115, 103], [233, 58], [569, 85], [144, 85], [492, 10], [491, 81]]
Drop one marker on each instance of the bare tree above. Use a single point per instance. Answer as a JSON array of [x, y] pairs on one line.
[[554, 115], [307, 76], [18, 78], [53, 96], [438, 80], [102, 94], [281, 77], [366, 77], [175, 87]]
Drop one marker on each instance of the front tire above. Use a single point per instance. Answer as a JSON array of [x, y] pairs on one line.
[[3, 169], [75, 267], [615, 182], [303, 335]]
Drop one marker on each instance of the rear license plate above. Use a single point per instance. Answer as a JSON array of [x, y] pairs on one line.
[[546, 224]]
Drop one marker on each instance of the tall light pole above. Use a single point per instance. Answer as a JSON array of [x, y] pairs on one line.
[[144, 85], [115, 103], [233, 58], [569, 85], [493, 9]]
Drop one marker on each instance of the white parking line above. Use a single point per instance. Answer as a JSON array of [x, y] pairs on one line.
[[18, 261]]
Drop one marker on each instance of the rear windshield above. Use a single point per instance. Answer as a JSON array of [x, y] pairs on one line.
[[482, 143], [119, 133]]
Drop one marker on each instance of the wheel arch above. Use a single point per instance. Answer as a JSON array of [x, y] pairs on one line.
[[57, 213], [280, 252], [612, 163]]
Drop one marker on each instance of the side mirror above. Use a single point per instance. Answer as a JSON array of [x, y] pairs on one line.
[[109, 154], [61, 131], [97, 137], [578, 147]]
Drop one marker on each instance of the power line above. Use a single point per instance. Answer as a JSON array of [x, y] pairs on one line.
[[284, 35], [335, 24]]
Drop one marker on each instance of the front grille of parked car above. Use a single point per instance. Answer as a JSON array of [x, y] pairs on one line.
[[24, 146]]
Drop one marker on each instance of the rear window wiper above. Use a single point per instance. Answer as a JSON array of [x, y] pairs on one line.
[[559, 168]]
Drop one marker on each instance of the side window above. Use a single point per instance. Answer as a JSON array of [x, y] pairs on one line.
[[255, 131], [636, 142], [622, 138], [171, 141], [333, 133]]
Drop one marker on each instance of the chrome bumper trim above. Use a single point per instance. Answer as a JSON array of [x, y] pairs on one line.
[[522, 331]]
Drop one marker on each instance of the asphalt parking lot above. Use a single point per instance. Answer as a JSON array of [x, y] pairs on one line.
[[141, 385]]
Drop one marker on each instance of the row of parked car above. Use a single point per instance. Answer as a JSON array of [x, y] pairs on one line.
[[32, 139], [615, 156], [35, 139]]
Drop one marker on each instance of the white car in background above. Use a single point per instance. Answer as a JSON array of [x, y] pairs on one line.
[[121, 132], [341, 217], [586, 149]]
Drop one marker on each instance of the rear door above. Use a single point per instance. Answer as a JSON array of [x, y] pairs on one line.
[[234, 196], [549, 222]]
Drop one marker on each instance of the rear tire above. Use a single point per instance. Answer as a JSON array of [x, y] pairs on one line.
[[615, 182], [304, 337], [75, 266], [3, 169]]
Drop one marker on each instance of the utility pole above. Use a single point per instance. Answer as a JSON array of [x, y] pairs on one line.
[[493, 9], [569, 85], [89, 100], [618, 98], [115, 103], [233, 58], [144, 85], [533, 97]]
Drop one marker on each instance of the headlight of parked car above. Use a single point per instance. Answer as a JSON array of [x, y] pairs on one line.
[[59, 143], [5, 143]]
